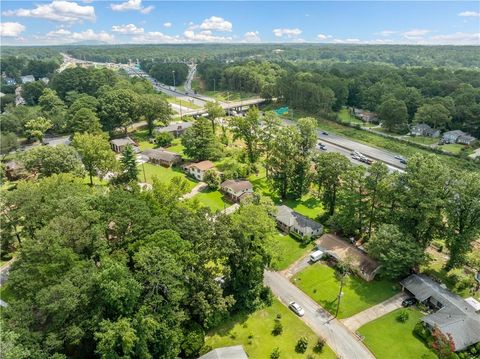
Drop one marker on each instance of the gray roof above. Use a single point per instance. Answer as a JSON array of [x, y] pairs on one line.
[[454, 133], [422, 126], [456, 317], [290, 218], [161, 154], [235, 352], [237, 185], [123, 141], [27, 78], [174, 126]]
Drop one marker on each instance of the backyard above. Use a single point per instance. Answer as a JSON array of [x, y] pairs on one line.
[[388, 338], [319, 282], [161, 173], [287, 250], [212, 199], [254, 332]]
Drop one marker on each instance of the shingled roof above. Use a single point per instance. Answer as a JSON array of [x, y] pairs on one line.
[[237, 185], [457, 317], [235, 352]]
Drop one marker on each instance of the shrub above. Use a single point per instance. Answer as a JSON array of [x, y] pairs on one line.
[[318, 348], [403, 316], [275, 354], [279, 316], [212, 179], [421, 331], [164, 139], [302, 345], [277, 328]]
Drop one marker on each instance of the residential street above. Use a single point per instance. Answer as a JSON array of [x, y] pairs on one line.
[[338, 337]]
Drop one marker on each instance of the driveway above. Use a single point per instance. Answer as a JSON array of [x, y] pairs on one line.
[[344, 343], [377, 311], [198, 188]]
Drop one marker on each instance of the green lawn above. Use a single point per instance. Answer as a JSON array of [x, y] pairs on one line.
[[229, 95], [212, 199], [345, 116], [387, 338], [287, 250], [454, 148], [176, 146], [319, 282], [183, 103], [422, 140], [254, 333], [307, 205], [161, 173]]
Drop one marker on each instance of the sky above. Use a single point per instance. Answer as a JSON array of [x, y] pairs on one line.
[[153, 22]]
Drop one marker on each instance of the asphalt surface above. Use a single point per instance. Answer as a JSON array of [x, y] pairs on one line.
[[344, 343]]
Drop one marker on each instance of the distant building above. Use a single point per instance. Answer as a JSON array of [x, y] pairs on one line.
[[45, 80], [27, 78], [19, 100], [365, 116], [458, 136], [422, 129], [235, 352], [175, 128], [237, 190], [290, 221], [452, 315], [9, 81], [198, 169], [162, 157], [119, 144]]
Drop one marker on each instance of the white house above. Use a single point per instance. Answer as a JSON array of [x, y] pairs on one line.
[[198, 169], [237, 190]]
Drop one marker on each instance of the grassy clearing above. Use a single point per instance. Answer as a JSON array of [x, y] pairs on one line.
[[254, 332], [287, 250], [161, 173], [422, 140], [307, 205], [176, 146], [229, 95], [212, 199], [183, 103], [388, 338], [319, 282], [454, 148], [345, 116]]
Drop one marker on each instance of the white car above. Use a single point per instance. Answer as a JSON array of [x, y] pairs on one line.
[[297, 309]]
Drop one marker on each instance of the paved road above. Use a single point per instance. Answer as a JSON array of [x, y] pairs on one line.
[[345, 344]]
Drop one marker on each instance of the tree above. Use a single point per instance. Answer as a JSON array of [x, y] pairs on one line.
[[32, 91], [377, 190], [36, 128], [85, 121], [83, 101], [129, 165], [435, 115], [116, 339], [164, 139], [48, 160], [118, 108], [200, 141], [6, 99], [271, 124], [95, 153], [393, 115], [463, 214], [212, 179], [8, 142], [53, 108], [443, 345], [330, 167], [397, 252], [214, 111], [154, 108], [307, 139], [248, 129]]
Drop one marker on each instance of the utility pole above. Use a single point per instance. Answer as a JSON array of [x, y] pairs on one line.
[[214, 85]]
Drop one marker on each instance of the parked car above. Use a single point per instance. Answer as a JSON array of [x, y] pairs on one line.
[[325, 133], [297, 309], [409, 302]]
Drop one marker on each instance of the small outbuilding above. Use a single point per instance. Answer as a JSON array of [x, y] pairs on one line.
[[119, 144], [163, 157], [237, 190]]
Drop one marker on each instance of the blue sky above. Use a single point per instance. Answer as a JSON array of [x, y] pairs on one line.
[[137, 21]]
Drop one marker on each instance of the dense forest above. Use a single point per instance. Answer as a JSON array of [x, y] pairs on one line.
[[166, 72]]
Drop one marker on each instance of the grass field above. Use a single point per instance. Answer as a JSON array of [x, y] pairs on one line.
[[161, 173], [422, 140], [212, 199], [229, 96], [287, 250], [319, 282], [254, 332], [307, 205], [388, 338], [183, 103], [454, 148]]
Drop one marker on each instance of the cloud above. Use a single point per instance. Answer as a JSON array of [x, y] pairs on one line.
[[415, 34], [131, 5], [204, 36], [386, 33], [167, 24], [251, 36], [347, 41], [213, 23], [155, 37], [58, 10], [323, 37], [470, 14], [87, 35], [128, 29], [287, 32], [11, 29], [457, 38]]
